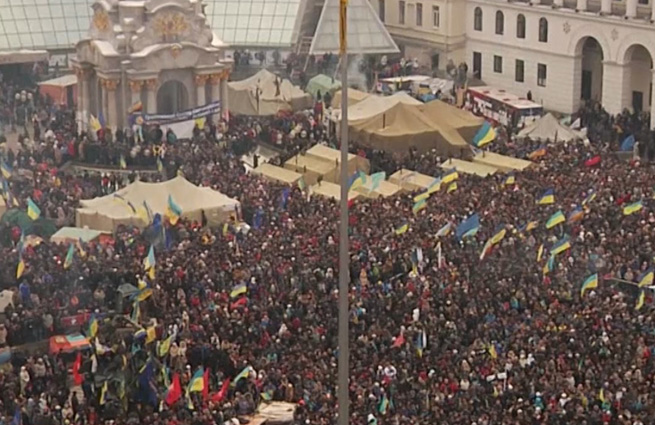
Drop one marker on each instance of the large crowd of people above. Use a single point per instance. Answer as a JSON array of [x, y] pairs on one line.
[[439, 333]]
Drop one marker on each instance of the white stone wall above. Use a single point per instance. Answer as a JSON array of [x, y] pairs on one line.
[[562, 53], [448, 38]]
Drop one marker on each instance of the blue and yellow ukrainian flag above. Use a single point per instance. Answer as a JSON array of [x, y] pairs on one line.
[[547, 198], [421, 197], [501, 231], [145, 291], [540, 252], [356, 180], [174, 212], [510, 179], [135, 316], [452, 187], [103, 394], [93, 326], [5, 169], [33, 210], [402, 229], [240, 289], [245, 373], [418, 206], [434, 186], [555, 219], [68, 261], [150, 261], [197, 382], [549, 266], [384, 405], [450, 176], [531, 225], [576, 215], [94, 124], [633, 208], [646, 278], [445, 230], [165, 346], [486, 134], [590, 283], [20, 269], [641, 300], [560, 246], [590, 197], [377, 179]]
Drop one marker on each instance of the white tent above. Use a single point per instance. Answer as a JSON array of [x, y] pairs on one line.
[[275, 95], [127, 206], [549, 128], [376, 105]]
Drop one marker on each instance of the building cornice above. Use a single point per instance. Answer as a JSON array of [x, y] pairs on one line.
[[563, 12]]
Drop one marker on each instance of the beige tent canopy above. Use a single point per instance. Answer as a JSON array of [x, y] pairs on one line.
[[463, 121], [375, 105], [312, 168], [502, 162], [548, 128], [403, 126], [67, 235], [243, 95], [354, 96], [108, 212], [332, 190], [355, 162], [411, 180], [278, 174], [384, 190], [467, 167]]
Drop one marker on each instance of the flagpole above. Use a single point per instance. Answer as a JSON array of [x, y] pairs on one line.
[[344, 269]]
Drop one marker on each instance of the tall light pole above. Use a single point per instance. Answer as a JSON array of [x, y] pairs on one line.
[[344, 257]]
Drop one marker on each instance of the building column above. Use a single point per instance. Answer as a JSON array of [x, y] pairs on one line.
[[135, 89], [652, 12], [558, 3], [535, 1], [86, 97], [652, 96], [104, 100], [79, 73], [631, 9], [616, 93], [112, 113], [151, 86], [201, 86], [225, 106], [606, 7], [581, 5], [215, 81]]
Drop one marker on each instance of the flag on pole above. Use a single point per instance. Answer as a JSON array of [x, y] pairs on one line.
[[590, 283], [33, 210], [68, 261]]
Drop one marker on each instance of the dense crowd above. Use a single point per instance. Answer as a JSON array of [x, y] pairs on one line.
[[439, 335]]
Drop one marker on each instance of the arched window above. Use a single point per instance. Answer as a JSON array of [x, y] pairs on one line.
[[477, 19], [543, 30], [520, 26], [500, 23]]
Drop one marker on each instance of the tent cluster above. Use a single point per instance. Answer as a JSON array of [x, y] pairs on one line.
[[266, 94], [399, 122], [137, 204]]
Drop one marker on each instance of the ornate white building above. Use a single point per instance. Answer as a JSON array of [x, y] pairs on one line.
[[161, 53], [562, 51]]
